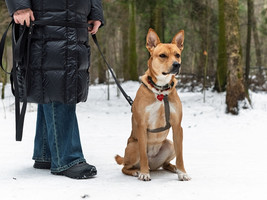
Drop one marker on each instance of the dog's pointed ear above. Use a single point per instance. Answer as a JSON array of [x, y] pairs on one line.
[[178, 40], [152, 40]]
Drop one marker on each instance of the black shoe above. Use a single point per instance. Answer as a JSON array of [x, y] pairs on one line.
[[79, 171], [41, 165]]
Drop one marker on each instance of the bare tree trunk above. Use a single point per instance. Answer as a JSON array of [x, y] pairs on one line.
[[235, 90], [125, 44], [249, 7], [132, 41], [4, 20], [206, 51], [221, 76], [260, 77], [157, 19]]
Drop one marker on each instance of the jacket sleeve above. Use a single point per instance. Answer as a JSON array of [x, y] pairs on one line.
[[14, 5], [96, 12]]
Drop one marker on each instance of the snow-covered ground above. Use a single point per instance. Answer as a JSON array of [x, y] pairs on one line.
[[225, 155]]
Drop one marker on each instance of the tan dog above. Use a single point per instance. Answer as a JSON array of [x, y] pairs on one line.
[[157, 107]]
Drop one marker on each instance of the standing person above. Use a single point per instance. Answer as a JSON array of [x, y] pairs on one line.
[[59, 79]]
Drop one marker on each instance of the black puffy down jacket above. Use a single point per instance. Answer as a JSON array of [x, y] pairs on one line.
[[60, 56]]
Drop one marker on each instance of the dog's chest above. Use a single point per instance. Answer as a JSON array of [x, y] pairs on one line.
[[155, 113]]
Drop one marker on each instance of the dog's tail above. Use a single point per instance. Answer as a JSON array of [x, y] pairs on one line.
[[119, 159]]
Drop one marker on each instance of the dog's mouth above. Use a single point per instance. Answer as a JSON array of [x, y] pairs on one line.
[[174, 70], [171, 72]]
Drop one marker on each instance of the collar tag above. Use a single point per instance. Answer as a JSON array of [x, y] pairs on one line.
[[160, 97]]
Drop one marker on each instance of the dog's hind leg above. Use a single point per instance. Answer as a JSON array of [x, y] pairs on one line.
[[131, 171], [131, 159], [170, 167], [164, 156]]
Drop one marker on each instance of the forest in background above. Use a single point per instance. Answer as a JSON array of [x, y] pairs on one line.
[[214, 29], [127, 22]]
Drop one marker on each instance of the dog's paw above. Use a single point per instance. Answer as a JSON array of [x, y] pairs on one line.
[[136, 174], [183, 176], [144, 177]]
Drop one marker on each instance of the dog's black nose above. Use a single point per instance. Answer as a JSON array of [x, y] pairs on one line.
[[176, 65]]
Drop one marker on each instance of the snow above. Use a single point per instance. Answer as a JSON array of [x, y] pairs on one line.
[[224, 154]]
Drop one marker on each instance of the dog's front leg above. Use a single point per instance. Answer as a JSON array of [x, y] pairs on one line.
[[142, 142], [178, 146]]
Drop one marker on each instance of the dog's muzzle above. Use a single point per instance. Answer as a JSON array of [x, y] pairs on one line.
[[175, 69]]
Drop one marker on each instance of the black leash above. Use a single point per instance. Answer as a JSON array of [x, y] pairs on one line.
[[18, 47], [128, 98]]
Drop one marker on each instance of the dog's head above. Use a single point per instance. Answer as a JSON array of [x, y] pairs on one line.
[[165, 59]]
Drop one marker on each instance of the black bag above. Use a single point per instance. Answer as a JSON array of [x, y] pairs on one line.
[[21, 38]]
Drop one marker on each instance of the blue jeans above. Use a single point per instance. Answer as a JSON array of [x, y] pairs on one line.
[[57, 137]]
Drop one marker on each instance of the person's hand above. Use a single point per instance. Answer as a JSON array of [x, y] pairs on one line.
[[25, 15], [96, 24]]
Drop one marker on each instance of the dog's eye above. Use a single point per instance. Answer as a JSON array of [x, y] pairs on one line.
[[162, 55], [177, 55]]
